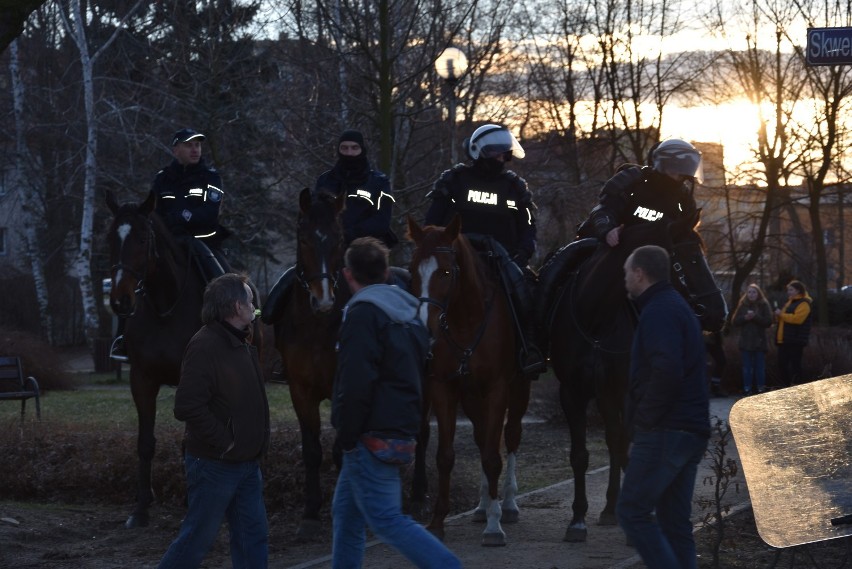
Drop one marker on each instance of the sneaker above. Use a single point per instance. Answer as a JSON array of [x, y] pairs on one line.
[[117, 351]]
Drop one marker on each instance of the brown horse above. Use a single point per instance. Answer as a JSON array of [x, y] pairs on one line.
[[157, 288], [306, 334], [474, 364], [591, 331]]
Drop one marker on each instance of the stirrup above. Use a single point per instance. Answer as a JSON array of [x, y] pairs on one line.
[[533, 362], [116, 350]]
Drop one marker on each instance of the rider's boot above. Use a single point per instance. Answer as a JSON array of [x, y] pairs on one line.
[[400, 277], [208, 264], [273, 308], [532, 359]]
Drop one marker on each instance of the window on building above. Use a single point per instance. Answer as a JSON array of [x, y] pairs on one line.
[[2, 241]]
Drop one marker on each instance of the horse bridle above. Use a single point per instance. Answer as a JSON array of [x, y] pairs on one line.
[[140, 289], [140, 278], [443, 323], [305, 281], [680, 275]]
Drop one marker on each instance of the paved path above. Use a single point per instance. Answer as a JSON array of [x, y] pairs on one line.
[[535, 542]]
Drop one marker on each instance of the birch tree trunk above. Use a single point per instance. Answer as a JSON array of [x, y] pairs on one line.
[[30, 211], [83, 264]]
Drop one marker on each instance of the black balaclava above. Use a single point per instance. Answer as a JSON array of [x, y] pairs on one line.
[[353, 168], [488, 167]]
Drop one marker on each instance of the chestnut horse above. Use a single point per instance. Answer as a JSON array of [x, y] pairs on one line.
[[473, 363], [591, 331], [307, 332], [158, 289]]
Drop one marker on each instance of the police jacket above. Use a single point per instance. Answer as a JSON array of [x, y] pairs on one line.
[[221, 397], [500, 206], [794, 322], [381, 359], [753, 332], [369, 203], [640, 195], [189, 198], [668, 388]]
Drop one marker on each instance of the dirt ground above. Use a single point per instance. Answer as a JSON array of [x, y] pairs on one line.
[[65, 533]]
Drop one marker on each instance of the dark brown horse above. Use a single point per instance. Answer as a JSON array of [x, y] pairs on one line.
[[591, 331], [306, 334], [473, 363], [157, 288]]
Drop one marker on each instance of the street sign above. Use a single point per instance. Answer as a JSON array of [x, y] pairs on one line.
[[829, 46]]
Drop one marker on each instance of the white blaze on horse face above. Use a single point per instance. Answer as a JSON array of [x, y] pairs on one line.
[[123, 231], [426, 269]]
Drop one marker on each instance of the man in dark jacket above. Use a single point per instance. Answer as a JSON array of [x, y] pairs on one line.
[[668, 415], [222, 399], [496, 210], [376, 409]]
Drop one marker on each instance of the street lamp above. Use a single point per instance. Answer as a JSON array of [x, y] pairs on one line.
[[451, 65]]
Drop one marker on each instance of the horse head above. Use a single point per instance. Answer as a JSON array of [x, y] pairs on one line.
[[436, 274], [132, 247], [319, 255], [691, 273]]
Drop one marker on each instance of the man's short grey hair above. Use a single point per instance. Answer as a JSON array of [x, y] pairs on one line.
[[654, 262], [221, 296]]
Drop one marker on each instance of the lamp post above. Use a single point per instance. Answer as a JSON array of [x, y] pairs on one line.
[[451, 65]]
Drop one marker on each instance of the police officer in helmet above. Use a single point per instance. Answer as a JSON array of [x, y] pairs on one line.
[[496, 210], [660, 191]]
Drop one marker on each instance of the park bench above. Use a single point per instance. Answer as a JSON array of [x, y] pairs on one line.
[[14, 386]]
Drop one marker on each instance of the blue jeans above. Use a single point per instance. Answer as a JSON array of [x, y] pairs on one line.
[[217, 490], [754, 370], [660, 477], [369, 493]]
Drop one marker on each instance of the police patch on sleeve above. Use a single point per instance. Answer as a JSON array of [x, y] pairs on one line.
[[214, 194]]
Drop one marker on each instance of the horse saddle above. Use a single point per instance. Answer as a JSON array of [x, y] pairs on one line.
[[554, 275]]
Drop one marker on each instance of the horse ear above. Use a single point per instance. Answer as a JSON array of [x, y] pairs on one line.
[[305, 200], [111, 203], [415, 232], [454, 227], [340, 202]]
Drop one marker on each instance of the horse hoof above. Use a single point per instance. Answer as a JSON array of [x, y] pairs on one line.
[[607, 519], [509, 516], [494, 539], [575, 535], [480, 516], [308, 529], [137, 520]]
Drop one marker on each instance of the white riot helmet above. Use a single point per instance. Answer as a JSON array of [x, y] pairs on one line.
[[676, 156], [491, 140]]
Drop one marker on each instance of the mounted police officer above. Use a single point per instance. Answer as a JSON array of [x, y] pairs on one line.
[[660, 191], [367, 213], [496, 210], [188, 197]]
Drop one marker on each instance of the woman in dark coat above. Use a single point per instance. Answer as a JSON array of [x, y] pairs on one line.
[[753, 316]]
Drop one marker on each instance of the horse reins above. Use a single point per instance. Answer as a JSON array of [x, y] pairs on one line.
[[140, 279], [680, 274], [443, 322]]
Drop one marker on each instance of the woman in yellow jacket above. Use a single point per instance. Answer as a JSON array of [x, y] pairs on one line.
[[794, 329]]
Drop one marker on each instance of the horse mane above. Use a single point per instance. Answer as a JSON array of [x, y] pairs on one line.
[[165, 241], [472, 274]]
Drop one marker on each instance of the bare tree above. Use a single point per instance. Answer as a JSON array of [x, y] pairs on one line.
[[75, 26]]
